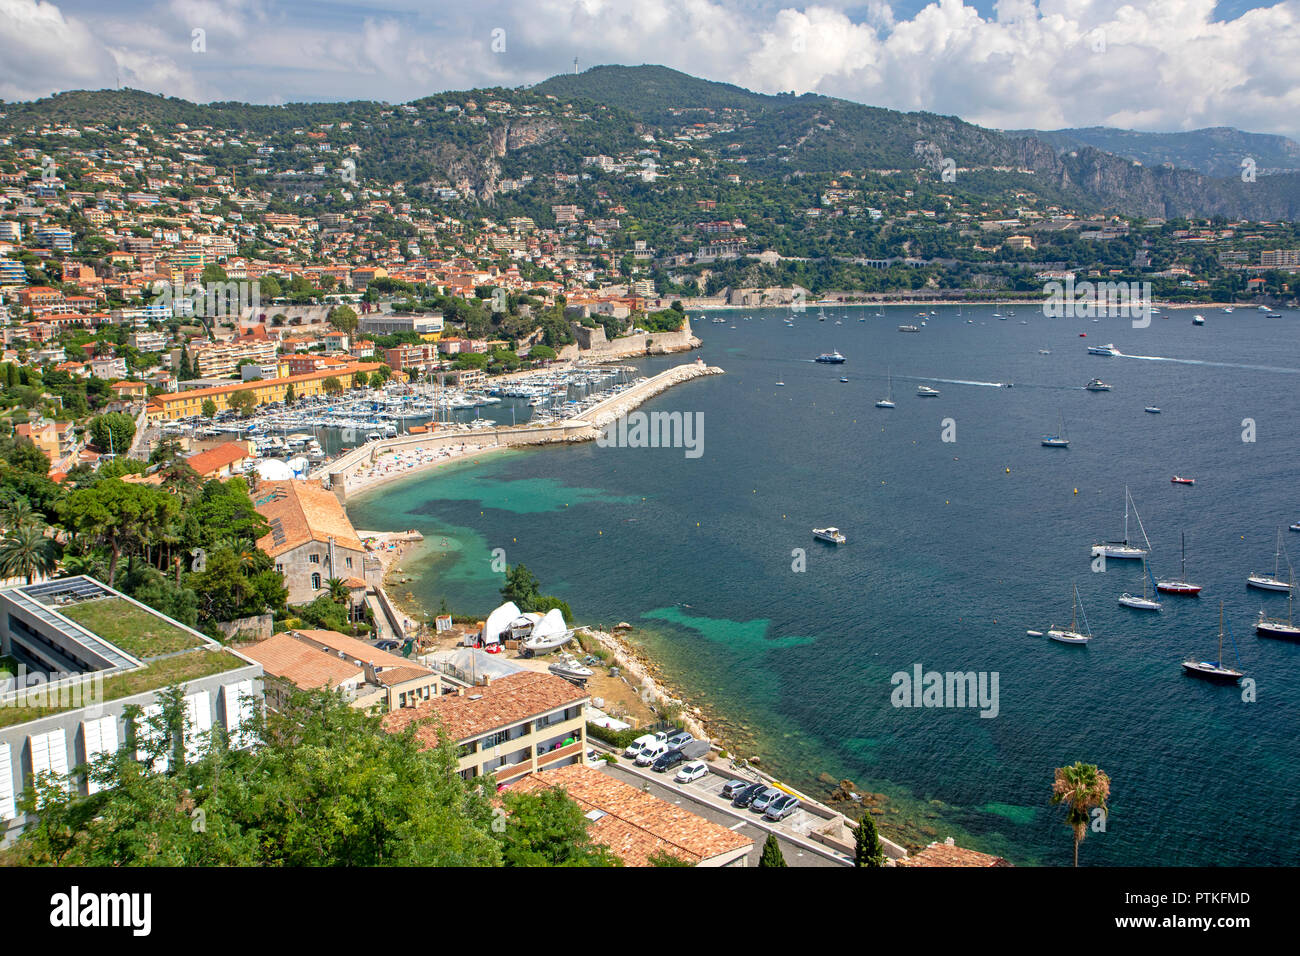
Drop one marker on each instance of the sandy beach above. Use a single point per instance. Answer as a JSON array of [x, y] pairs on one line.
[[412, 460]]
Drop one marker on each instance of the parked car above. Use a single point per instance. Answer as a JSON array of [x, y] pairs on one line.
[[781, 807], [760, 801], [668, 760], [650, 753], [679, 740], [733, 787], [746, 796], [387, 645], [645, 740], [692, 771]]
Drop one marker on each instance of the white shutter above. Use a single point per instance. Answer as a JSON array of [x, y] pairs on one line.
[[7, 809], [101, 738], [49, 752], [146, 733], [198, 709], [238, 708]]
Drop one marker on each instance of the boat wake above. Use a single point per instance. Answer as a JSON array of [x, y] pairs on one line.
[[1180, 361]]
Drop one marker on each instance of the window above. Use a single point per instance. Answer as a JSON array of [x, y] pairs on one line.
[[348, 562], [100, 737], [315, 582], [314, 558], [279, 568], [495, 740]]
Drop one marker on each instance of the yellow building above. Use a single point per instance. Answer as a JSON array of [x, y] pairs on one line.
[[168, 408]]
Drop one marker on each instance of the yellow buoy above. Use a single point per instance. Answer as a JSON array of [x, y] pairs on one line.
[[1076, 491], [1008, 471]]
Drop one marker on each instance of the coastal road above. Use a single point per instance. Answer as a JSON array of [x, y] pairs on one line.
[[702, 798]]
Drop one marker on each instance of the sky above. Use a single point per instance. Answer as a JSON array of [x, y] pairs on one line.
[[1157, 65]]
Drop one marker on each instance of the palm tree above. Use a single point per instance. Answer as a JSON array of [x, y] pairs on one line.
[[338, 590], [25, 552], [1082, 788], [19, 513]]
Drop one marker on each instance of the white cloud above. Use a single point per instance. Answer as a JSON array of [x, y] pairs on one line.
[[1166, 64]]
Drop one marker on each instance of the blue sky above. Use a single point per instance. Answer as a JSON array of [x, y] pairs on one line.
[[1144, 64]]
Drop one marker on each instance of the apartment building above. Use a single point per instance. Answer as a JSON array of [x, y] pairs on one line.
[[221, 359], [427, 324], [84, 653], [510, 726], [1280, 258], [166, 408]]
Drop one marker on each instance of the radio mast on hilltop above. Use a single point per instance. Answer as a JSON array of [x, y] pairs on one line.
[[575, 64]]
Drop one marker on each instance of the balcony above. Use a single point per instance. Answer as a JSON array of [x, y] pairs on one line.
[[551, 756]]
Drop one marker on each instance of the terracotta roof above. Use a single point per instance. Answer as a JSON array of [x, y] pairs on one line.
[[502, 703], [307, 667], [949, 854], [301, 512], [208, 463], [636, 824], [354, 649], [400, 675]]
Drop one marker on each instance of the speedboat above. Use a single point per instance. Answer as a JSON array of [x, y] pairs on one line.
[[1273, 315], [1296, 526], [1097, 385], [1044, 351], [831, 535], [909, 328], [1182, 481], [886, 403], [1228, 310], [1198, 319], [569, 668], [843, 379], [831, 358], [1102, 350], [1152, 410], [925, 391]]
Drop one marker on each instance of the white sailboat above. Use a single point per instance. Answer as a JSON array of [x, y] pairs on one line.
[[888, 400], [1058, 440], [1122, 549], [1275, 626], [1272, 582], [1147, 602], [1072, 634]]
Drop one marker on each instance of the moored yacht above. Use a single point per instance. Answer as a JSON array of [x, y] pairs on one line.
[[1214, 670], [1198, 319], [831, 535], [1122, 549], [1272, 582], [1276, 627], [1181, 586], [1072, 634], [925, 391], [1097, 385]]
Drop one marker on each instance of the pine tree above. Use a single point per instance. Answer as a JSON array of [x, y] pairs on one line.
[[772, 855], [868, 851]]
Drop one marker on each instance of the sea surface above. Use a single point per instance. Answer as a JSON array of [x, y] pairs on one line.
[[955, 549]]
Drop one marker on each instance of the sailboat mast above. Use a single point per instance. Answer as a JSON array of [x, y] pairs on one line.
[[1220, 660]]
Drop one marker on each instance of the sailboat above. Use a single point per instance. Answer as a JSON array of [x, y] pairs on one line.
[[1275, 626], [1181, 586], [1214, 670], [1272, 582], [888, 400], [1058, 440], [1146, 602], [1122, 549], [1072, 635]]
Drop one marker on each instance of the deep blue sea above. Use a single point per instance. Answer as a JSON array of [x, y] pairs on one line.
[[955, 549]]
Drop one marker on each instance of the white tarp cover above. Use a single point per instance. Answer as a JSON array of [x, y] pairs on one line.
[[498, 621], [552, 625], [471, 660]]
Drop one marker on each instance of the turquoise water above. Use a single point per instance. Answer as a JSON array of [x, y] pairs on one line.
[[955, 549]]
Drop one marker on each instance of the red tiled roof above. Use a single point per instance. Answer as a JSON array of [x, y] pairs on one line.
[[506, 701], [210, 462], [949, 854], [305, 666]]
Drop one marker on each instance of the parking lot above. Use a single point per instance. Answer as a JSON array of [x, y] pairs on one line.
[[704, 797]]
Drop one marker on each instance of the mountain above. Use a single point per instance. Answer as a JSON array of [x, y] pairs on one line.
[[610, 110], [1216, 151]]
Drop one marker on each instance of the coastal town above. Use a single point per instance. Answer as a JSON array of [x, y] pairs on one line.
[[216, 336]]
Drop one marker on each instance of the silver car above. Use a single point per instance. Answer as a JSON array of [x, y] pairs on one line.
[[781, 807], [761, 802]]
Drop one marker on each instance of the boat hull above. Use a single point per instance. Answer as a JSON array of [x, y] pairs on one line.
[[1265, 583], [1270, 628], [1211, 671], [1178, 587], [1068, 637], [1120, 552], [1138, 603]]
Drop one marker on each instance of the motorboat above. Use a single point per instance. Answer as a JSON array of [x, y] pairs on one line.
[[1097, 385], [830, 358], [1214, 670], [570, 669], [1198, 319], [1102, 350], [843, 379], [1182, 481], [830, 535], [1151, 410], [909, 328], [925, 391]]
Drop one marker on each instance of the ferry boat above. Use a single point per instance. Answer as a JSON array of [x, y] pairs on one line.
[[831, 358], [925, 391], [1097, 385], [1107, 349], [1182, 587], [831, 535], [1214, 670], [909, 328]]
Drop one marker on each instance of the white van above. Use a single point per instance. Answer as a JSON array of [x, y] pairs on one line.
[[650, 753], [645, 740]]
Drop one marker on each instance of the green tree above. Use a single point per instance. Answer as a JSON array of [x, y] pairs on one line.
[[26, 552], [208, 408], [520, 587], [343, 318], [118, 515], [332, 385], [772, 855], [290, 396], [242, 401], [867, 849], [1082, 788], [233, 584], [113, 432], [548, 829]]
